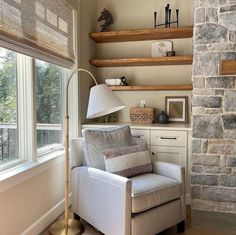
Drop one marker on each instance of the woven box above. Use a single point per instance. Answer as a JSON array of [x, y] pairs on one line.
[[141, 115]]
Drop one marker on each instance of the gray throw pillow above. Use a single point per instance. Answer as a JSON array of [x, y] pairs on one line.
[[98, 140], [128, 161]]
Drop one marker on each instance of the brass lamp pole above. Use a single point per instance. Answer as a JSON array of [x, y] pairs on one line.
[[101, 102]]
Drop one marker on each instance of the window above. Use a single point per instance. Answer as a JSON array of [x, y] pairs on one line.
[[49, 100], [8, 107], [29, 89]]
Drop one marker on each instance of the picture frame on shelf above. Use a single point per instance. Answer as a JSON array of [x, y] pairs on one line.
[[176, 108]]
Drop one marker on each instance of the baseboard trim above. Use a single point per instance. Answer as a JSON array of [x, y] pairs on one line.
[[48, 218]]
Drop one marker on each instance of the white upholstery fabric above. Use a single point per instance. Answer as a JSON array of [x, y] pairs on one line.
[[157, 219], [103, 199], [76, 152], [150, 190]]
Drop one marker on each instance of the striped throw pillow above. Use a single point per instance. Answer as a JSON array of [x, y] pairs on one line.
[[128, 161]]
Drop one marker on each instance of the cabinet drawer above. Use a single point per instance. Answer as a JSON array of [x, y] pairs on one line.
[[169, 138], [141, 134]]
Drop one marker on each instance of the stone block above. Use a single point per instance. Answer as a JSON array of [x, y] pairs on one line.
[[229, 134], [197, 169], [210, 3], [206, 64], [212, 15], [214, 111], [229, 121], [205, 179], [207, 127], [216, 170], [219, 92], [206, 159], [198, 111], [220, 82], [227, 19], [198, 82], [228, 55], [204, 92], [231, 161], [196, 145], [204, 146], [218, 47], [210, 33], [228, 8], [196, 192], [219, 148], [199, 16], [219, 194], [200, 48], [228, 180], [230, 101], [232, 36], [207, 101]]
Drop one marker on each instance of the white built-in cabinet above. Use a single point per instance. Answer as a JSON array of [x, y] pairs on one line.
[[168, 143]]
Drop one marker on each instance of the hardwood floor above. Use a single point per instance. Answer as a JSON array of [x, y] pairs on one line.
[[198, 223]]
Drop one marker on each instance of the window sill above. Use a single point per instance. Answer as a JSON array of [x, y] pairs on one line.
[[19, 174]]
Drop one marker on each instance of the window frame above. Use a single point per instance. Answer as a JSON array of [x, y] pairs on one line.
[[26, 116]]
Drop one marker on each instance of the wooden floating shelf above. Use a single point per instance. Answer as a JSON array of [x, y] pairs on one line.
[[228, 67], [174, 60], [153, 88], [142, 34]]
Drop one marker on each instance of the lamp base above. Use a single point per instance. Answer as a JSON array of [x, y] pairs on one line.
[[74, 228]]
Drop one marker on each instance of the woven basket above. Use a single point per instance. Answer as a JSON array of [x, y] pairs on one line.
[[141, 115]]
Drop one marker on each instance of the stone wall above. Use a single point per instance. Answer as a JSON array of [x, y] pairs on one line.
[[213, 175]]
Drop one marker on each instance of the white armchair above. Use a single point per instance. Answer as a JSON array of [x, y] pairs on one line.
[[142, 205]]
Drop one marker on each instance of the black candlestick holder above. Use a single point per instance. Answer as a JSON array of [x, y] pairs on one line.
[[168, 21]]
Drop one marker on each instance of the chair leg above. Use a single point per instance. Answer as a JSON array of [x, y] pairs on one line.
[[76, 217], [181, 227]]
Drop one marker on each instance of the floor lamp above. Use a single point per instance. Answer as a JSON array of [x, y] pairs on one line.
[[102, 101]]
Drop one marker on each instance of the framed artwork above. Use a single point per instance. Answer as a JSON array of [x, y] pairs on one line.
[[177, 108]]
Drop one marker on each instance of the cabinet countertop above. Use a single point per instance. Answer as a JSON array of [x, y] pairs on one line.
[[169, 126]]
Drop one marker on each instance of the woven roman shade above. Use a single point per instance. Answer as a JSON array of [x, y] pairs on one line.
[[42, 29]]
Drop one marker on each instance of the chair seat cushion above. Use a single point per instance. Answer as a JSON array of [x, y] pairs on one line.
[[150, 190]]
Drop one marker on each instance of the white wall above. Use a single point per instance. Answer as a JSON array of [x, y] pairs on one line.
[[138, 14], [26, 203]]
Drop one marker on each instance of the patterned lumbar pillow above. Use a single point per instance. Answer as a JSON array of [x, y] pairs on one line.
[[128, 161]]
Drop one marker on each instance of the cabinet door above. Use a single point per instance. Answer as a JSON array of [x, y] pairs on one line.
[[176, 155]]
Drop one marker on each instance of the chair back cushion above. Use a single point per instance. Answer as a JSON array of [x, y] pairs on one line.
[[128, 161], [98, 140], [76, 152]]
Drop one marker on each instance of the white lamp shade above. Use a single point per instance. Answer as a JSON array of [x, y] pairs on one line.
[[102, 101]]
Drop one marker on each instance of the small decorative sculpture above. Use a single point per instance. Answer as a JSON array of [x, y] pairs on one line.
[[107, 16]]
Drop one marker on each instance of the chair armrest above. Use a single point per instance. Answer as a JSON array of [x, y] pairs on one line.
[[175, 172], [169, 170], [103, 199]]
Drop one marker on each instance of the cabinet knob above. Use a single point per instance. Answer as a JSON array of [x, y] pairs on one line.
[[153, 153]]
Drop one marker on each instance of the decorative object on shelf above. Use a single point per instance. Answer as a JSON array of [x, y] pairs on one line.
[[102, 101], [116, 81], [168, 21], [177, 108], [141, 115], [107, 16], [170, 53], [162, 118], [159, 49], [142, 103], [111, 118]]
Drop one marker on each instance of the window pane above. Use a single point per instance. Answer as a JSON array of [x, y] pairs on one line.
[[49, 104], [8, 107]]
